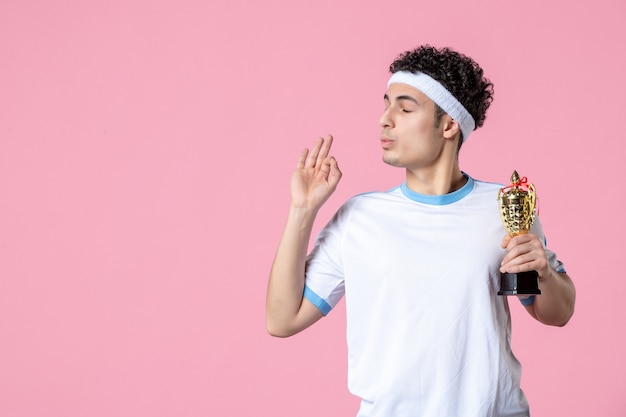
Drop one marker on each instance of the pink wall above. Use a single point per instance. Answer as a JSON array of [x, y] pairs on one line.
[[145, 155]]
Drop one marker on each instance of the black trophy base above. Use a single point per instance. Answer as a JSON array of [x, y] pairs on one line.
[[521, 283]]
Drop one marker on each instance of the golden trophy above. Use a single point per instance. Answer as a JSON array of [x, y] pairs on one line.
[[518, 204]]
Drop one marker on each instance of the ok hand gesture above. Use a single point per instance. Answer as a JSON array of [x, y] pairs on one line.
[[316, 176]]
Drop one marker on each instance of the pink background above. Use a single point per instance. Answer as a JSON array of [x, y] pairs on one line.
[[145, 155]]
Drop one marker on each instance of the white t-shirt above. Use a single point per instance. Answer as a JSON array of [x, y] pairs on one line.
[[427, 333]]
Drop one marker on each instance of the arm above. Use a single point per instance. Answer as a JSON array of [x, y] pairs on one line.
[[314, 180], [555, 305]]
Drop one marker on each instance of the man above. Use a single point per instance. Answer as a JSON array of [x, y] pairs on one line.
[[419, 265]]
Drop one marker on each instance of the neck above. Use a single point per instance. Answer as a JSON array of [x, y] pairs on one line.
[[436, 181]]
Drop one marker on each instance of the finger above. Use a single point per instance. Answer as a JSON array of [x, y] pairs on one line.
[[510, 243], [512, 262], [302, 158], [524, 258], [324, 150], [311, 161], [514, 250], [523, 264], [324, 169], [335, 173], [524, 238]]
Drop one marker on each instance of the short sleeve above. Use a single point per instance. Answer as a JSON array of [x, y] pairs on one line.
[[324, 283]]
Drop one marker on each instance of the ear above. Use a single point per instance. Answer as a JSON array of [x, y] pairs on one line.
[[451, 128]]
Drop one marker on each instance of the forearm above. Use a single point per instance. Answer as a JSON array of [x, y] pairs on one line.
[[314, 180], [555, 305], [286, 281]]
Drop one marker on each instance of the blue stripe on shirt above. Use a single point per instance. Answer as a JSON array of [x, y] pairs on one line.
[[317, 301]]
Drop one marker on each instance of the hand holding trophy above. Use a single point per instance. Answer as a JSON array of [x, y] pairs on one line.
[[518, 203]]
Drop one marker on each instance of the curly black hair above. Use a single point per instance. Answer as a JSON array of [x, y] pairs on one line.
[[459, 74]]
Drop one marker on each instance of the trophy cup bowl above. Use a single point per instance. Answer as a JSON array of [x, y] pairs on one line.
[[518, 203]]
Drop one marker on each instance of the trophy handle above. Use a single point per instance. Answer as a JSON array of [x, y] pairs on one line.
[[500, 209], [532, 194]]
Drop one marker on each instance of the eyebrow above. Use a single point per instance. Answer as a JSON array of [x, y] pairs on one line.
[[403, 97]]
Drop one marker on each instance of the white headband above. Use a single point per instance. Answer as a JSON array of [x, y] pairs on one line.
[[437, 93]]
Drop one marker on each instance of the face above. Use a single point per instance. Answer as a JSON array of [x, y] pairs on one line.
[[409, 137]]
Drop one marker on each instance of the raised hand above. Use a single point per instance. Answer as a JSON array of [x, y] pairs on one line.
[[316, 176]]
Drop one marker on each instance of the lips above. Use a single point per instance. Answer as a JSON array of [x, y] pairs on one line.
[[385, 142]]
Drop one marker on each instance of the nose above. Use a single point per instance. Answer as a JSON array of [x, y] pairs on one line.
[[385, 119]]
